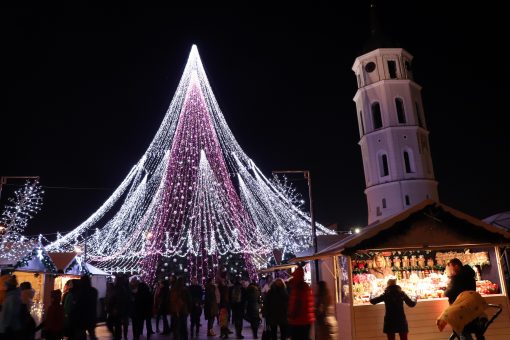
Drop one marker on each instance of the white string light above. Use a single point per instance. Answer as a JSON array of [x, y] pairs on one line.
[[196, 193]]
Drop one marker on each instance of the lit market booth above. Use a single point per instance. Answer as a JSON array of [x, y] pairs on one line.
[[414, 247], [70, 265], [30, 263]]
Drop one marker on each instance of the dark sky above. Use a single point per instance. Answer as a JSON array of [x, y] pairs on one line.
[[86, 89]]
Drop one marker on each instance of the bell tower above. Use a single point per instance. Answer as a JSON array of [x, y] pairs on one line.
[[393, 133]]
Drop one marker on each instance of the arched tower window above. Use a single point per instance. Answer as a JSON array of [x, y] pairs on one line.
[[407, 163], [376, 115], [401, 115], [383, 165]]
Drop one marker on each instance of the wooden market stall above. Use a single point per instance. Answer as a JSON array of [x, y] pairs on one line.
[[29, 262], [70, 265], [414, 247]]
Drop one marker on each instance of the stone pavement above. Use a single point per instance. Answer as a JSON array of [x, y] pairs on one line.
[[103, 333]]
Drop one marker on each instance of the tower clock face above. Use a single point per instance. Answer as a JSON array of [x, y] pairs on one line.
[[370, 67]]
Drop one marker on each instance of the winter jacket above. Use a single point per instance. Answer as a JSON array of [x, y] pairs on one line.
[[394, 319], [301, 310], [464, 280], [275, 305], [11, 310], [210, 304]]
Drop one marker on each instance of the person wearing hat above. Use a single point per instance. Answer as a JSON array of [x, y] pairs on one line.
[[394, 318]]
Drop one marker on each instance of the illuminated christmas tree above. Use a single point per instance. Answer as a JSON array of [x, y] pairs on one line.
[[194, 200]]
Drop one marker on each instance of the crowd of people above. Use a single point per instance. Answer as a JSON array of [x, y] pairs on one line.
[[70, 314], [287, 308], [272, 307], [278, 307]]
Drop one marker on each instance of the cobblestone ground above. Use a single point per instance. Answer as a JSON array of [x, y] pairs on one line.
[[103, 333]]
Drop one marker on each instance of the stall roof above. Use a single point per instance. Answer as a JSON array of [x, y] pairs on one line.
[[428, 224], [95, 271], [25, 255], [62, 260], [276, 268]]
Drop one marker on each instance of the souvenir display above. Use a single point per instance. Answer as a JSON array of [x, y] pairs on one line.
[[421, 274]]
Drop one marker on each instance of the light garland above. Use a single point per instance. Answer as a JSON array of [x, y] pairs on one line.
[[194, 195], [27, 202]]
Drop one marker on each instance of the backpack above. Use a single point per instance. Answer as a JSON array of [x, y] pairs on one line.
[[236, 294]]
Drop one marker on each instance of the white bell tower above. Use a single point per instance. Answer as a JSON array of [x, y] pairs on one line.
[[393, 132]]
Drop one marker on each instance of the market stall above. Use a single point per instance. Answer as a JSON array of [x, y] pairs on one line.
[[29, 262], [70, 265], [414, 247]]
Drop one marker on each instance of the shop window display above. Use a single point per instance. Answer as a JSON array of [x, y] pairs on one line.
[[420, 273]]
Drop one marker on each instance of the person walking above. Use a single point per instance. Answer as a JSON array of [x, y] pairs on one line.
[[10, 323], [301, 314], [275, 309], [325, 324], [161, 305], [89, 298], [28, 324], [237, 301], [253, 307], [119, 306], [143, 301], [210, 306], [196, 293], [394, 318], [179, 309], [53, 323]]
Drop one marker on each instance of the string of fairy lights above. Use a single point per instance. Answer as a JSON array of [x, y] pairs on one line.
[[194, 194], [16, 214]]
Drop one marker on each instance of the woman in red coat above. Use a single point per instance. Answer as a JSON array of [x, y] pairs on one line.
[[301, 314]]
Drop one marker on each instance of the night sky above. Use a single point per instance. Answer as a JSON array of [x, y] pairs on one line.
[[85, 91]]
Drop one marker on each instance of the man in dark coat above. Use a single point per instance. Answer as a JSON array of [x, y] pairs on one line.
[[462, 278], [275, 308], [89, 296], [196, 292], [237, 301], [211, 307]]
